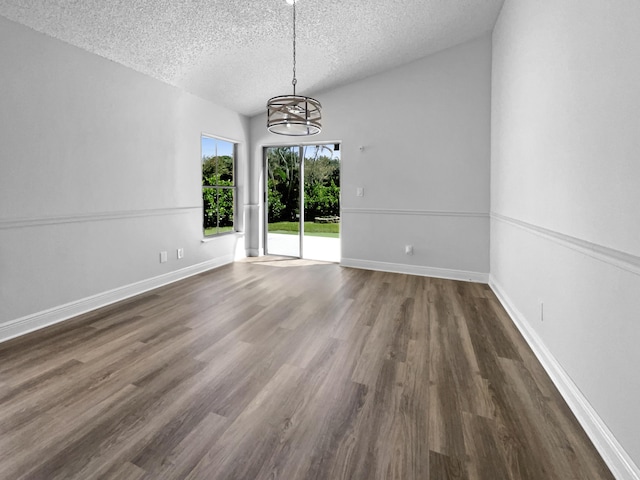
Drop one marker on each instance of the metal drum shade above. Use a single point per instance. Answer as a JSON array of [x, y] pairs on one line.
[[294, 115]]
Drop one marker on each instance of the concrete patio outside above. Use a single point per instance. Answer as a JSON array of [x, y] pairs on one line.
[[314, 248]]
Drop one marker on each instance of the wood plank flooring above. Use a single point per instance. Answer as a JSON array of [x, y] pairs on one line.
[[285, 369]]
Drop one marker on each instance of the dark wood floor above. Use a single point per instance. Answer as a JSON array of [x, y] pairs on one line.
[[288, 370]]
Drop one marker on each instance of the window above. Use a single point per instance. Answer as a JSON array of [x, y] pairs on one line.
[[218, 186]]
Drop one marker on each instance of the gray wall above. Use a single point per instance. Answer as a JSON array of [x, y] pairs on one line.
[[424, 166], [565, 196], [100, 171]]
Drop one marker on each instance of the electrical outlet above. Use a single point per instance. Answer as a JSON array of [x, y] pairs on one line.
[[541, 311], [359, 192], [180, 253], [408, 249], [163, 257]]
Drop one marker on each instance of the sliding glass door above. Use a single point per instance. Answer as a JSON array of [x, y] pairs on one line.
[[313, 231]]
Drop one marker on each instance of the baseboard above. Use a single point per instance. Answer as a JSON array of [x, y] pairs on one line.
[[614, 455], [446, 273], [60, 313]]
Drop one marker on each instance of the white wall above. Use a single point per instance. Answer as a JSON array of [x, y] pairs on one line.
[[425, 129], [565, 228], [100, 171]]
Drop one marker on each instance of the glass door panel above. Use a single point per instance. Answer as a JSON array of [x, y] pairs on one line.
[[321, 170], [283, 201]]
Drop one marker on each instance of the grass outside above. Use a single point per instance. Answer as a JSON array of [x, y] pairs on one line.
[[212, 231], [312, 229]]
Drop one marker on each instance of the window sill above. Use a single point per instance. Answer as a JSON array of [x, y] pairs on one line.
[[220, 235]]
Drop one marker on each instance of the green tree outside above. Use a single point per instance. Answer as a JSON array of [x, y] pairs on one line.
[[217, 171], [321, 187]]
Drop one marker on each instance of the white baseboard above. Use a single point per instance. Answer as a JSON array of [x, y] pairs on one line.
[[614, 455], [36, 321], [446, 273]]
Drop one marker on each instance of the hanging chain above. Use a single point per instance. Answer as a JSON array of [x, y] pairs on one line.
[[294, 81]]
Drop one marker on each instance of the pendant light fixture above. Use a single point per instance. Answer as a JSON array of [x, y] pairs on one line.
[[294, 115]]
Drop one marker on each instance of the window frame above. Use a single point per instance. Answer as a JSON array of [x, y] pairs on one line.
[[218, 188]]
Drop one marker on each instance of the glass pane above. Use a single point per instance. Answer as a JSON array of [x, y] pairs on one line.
[[209, 160], [225, 210], [217, 162], [210, 211], [226, 151], [321, 185], [218, 210], [283, 201], [322, 202]]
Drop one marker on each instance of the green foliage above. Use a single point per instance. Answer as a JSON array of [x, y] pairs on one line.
[[218, 202], [283, 182], [216, 170], [321, 200], [321, 188], [321, 169], [274, 200]]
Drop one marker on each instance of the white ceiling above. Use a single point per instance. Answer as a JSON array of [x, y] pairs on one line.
[[239, 53]]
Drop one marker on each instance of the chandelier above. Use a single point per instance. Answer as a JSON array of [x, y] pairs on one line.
[[294, 115]]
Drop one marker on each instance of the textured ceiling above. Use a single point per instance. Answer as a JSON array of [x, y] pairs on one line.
[[239, 53]]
